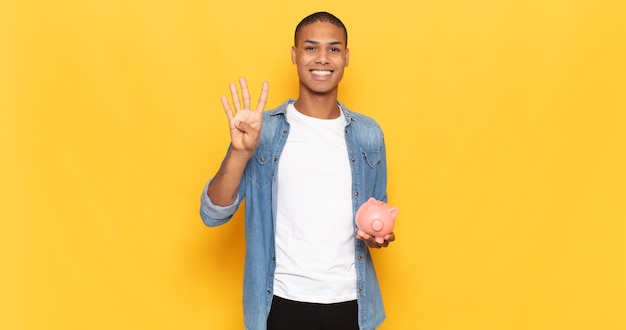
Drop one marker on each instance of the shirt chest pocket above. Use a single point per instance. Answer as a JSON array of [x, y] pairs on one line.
[[372, 157]]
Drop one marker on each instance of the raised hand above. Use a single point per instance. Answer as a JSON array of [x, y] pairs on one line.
[[245, 124]]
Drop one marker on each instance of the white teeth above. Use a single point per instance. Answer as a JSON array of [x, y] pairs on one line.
[[321, 73]]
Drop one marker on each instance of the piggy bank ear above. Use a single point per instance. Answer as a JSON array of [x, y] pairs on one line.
[[393, 211], [370, 202]]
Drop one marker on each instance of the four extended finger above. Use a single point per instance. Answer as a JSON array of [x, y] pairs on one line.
[[245, 94], [263, 98], [235, 96], [227, 109]]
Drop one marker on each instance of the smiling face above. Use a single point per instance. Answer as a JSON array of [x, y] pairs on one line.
[[320, 55]]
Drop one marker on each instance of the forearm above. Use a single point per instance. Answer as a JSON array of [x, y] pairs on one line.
[[224, 187]]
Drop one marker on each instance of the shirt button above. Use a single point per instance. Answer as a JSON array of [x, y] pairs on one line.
[[356, 193], [269, 291], [353, 159], [360, 291], [360, 257]]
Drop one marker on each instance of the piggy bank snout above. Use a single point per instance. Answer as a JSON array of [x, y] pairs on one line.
[[376, 218], [377, 225]]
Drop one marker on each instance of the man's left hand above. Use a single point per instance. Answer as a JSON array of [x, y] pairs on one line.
[[371, 243]]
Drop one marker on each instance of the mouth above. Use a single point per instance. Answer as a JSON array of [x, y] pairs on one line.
[[321, 73]]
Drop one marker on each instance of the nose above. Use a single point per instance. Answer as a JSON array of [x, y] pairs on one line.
[[322, 57]]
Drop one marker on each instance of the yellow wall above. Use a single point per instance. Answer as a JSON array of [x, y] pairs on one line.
[[506, 131]]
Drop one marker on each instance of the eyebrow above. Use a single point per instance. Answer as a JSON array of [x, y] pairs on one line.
[[317, 42]]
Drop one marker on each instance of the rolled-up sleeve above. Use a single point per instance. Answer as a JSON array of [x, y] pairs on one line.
[[214, 215]]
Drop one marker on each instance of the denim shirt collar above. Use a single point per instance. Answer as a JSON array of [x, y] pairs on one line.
[[282, 110]]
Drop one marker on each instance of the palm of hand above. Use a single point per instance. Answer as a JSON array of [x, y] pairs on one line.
[[241, 140]]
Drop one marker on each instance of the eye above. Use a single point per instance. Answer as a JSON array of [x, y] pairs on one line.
[[309, 48], [335, 50]]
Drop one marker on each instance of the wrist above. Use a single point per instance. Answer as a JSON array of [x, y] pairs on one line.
[[240, 156]]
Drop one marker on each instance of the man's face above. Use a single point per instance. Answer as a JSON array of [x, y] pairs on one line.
[[320, 56]]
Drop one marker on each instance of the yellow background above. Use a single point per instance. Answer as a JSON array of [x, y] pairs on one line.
[[506, 130]]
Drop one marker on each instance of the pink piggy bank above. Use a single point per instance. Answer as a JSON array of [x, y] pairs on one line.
[[376, 218]]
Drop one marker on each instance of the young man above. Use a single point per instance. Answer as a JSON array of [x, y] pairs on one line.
[[304, 169]]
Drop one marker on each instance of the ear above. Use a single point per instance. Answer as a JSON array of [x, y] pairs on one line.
[[393, 211], [347, 56], [293, 54]]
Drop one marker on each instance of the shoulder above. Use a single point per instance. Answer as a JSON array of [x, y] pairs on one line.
[[364, 130], [275, 113], [360, 120]]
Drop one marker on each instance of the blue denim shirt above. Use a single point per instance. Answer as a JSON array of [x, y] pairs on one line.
[[366, 152]]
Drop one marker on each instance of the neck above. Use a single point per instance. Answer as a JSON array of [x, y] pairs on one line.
[[323, 106]]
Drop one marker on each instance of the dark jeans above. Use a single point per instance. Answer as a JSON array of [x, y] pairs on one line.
[[294, 315]]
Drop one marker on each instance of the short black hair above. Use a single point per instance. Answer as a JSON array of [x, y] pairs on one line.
[[320, 16]]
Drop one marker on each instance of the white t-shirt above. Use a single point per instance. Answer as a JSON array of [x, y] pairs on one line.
[[314, 226]]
